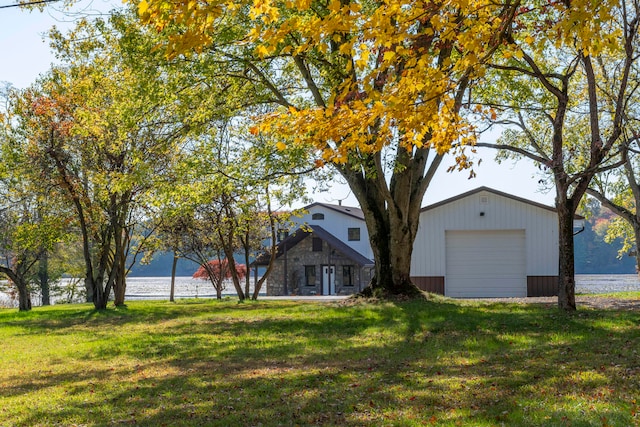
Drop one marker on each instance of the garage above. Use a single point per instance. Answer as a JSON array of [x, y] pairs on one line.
[[486, 243], [485, 263]]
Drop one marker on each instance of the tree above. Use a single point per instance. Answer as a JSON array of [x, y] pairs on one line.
[[217, 271], [30, 227], [220, 200], [104, 128], [561, 89], [26, 235], [619, 189], [376, 89]]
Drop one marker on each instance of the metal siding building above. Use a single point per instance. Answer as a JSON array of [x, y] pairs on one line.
[[485, 243]]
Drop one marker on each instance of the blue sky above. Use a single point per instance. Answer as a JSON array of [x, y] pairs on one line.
[[25, 55]]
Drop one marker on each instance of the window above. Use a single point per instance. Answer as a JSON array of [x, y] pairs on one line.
[[347, 275], [354, 234], [316, 244], [310, 275], [317, 216]]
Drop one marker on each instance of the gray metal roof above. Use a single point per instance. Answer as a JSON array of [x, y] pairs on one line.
[[347, 210]]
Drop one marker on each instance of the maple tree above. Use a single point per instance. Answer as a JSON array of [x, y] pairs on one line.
[[217, 271], [376, 89], [103, 128], [29, 228], [562, 86]]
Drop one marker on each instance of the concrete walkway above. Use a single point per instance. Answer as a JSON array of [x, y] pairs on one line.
[[317, 298]]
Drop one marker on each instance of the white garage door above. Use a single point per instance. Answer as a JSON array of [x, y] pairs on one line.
[[486, 264]]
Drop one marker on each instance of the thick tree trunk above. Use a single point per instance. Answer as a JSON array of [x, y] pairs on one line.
[[17, 277], [100, 291], [173, 277], [100, 297], [392, 230], [119, 265], [24, 296], [566, 270]]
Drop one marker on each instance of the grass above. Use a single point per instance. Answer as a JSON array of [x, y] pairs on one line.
[[273, 363]]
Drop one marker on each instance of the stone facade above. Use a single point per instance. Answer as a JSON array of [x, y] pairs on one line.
[[303, 267]]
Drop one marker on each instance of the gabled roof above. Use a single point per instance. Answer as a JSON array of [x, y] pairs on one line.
[[301, 233], [346, 210], [496, 192]]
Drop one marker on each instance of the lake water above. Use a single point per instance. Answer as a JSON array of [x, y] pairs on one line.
[[185, 287], [141, 288]]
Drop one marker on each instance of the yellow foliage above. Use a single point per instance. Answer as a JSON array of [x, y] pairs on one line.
[[402, 60]]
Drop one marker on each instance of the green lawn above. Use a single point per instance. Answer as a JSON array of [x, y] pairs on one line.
[[270, 363]]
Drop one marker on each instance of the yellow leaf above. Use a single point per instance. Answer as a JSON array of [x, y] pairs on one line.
[[303, 4], [529, 39], [262, 51], [389, 55], [143, 6], [334, 6], [345, 48], [281, 146]]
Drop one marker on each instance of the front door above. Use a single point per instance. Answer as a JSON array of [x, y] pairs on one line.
[[328, 280]]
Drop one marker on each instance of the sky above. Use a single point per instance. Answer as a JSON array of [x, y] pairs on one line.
[[25, 55]]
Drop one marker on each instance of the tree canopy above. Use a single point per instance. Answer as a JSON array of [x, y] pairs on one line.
[[375, 89]]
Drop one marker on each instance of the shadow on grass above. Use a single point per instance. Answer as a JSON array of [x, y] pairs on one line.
[[412, 363]]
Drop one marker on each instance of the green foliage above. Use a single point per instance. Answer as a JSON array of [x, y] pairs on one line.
[[416, 363]]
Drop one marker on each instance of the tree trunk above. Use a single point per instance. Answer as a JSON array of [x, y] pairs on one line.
[[392, 244], [566, 269], [100, 297], [391, 216], [24, 296], [43, 277], [119, 265], [247, 276], [272, 258], [173, 276], [100, 292]]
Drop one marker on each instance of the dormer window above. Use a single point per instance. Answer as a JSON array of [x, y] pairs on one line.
[[317, 216], [353, 234]]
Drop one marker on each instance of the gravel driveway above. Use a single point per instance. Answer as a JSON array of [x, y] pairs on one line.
[[592, 301]]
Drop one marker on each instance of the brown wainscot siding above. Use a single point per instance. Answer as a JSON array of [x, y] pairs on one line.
[[433, 284], [542, 286]]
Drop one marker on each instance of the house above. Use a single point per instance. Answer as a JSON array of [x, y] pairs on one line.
[[483, 243], [486, 243], [328, 253]]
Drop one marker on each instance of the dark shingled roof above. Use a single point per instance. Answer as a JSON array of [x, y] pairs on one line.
[[317, 231], [347, 210]]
